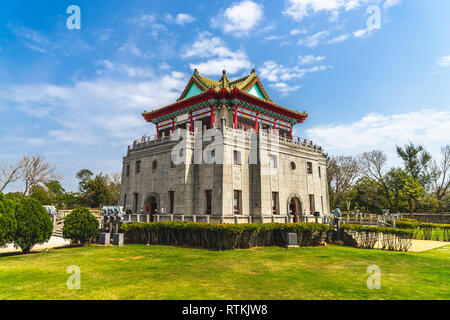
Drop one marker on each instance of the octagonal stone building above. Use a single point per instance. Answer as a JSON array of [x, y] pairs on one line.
[[224, 152]]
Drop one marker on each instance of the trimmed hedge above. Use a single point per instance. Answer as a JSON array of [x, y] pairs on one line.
[[223, 236], [424, 230], [389, 238]]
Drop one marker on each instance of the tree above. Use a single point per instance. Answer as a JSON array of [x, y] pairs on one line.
[[395, 180], [35, 171], [41, 194], [368, 195], [413, 191], [8, 222], [9, 173], [341, 172], [94, 192], [415, 159], [372, 166], [114, 187], [81, 226], [439, 173], [34, 225]]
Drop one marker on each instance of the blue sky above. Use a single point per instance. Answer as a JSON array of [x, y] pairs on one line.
[[76, 96]]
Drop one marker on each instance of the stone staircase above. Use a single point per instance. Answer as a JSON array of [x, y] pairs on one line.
[[57, 228]]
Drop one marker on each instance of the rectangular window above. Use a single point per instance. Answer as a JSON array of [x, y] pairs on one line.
[[237, 202], [312, 208], [275, 202], [320, 174], [273, 161], [321, 201], [309, 167], [171, 201], [138, 166], [208, 199], [237, 157], [124, 201], [135, 202], [128, 170]]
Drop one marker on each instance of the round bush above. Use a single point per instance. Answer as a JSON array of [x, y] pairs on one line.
[[34, 226], [8, 222], [81, 226]]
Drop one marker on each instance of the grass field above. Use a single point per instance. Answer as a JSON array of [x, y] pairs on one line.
[[160, 272]]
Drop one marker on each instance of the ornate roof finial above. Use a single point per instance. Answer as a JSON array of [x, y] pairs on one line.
[[253, 70]]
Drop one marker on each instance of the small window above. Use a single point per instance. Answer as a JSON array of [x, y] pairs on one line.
[[312, 207], [309, 167], [293, 166], [171, 201], [135, 202], [320, 174], [154, 164], [208, 198], [275, 202], [237, 202], [138, 166], [124, 200], [273, 161], [128, 170], [237, 157]]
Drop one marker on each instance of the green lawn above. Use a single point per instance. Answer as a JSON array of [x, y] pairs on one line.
[[161, 272]]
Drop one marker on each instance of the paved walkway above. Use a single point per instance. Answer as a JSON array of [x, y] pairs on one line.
[[424, 245], [54, 242]]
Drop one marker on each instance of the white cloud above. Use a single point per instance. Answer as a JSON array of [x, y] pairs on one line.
[[309, 59], [300, 9], [364, 32], [338, 39], [279, 75], [240, 18], [298, 31], [103, 110], [181, 18], [314, 40], [443, 62], [217, 54], [428, 127]]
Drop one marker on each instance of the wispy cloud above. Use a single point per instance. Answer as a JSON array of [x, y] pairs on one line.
[[180, 18], [443, 62], [375, 131], [338, 39]]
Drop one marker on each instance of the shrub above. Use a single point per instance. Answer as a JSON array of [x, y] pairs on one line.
[[81, 226], [223, 236], [8, 222], [34, 226]]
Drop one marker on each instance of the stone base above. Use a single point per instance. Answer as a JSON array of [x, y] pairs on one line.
[[118, 239], [104, 239]]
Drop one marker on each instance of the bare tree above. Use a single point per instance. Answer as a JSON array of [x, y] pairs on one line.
[[35, 170], [440, 175], [342, 172], [10, 173], [373, 166]]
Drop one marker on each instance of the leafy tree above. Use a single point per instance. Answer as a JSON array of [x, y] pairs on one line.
[[8, 222], [415, 159], [413, 191], [98, 190], [395, 180], [368, 195], [34, 226], [81, 226], [41, 194]]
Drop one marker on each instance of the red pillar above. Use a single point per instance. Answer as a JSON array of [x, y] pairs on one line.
[[235, 117], [191, 121], [173, 124], [274, 125], [212, 117], [256, 122], [157, 130]]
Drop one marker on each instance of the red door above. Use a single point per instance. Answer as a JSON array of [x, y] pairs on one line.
[[294, 211]]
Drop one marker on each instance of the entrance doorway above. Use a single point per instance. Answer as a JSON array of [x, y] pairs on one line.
[[295, 208], [152, 206]]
